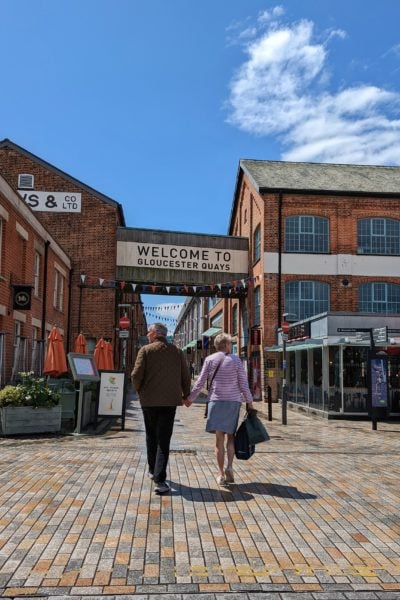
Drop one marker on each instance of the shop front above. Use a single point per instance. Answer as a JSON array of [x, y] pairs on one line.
[[327, 369]]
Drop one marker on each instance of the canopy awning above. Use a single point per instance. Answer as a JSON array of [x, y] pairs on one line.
[[211, 331], [300, 345], [191, 344]]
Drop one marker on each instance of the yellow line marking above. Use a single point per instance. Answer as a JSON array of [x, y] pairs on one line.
[[299, 570]]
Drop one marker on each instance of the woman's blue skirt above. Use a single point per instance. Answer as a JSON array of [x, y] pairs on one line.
[[223, 415]]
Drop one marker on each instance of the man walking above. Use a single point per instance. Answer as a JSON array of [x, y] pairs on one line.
[[162, 379]]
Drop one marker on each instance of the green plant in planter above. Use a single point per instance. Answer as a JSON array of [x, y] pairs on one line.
[[11, 395], [31, 391]]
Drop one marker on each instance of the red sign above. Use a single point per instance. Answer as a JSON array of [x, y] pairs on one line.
[[124, 323], [285, 327], [255, 337]]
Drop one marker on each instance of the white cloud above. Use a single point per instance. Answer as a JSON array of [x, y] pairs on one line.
[[269, 15], [282, 89]]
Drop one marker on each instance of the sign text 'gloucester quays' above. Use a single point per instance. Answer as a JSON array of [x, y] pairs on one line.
[[174, 257]]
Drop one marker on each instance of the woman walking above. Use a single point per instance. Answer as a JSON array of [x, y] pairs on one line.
[[227, 389]]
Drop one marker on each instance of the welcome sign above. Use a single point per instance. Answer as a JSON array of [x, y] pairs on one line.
[[174, 257]]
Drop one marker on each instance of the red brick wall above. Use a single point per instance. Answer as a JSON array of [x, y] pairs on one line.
[[88, 237], [17, 267]]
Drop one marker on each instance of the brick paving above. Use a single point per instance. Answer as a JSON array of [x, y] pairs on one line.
[[314, 514]]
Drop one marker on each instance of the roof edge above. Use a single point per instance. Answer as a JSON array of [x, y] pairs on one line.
[[7, 143]]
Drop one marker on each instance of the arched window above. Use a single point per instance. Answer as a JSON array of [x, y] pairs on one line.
[[257, 306], [304, 299], [257, 244], [306, 234], [379, 298], [379, 236]]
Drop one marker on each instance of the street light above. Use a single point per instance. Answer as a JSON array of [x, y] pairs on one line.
[[287, 317]]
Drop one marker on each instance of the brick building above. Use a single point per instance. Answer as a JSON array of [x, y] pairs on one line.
[[84, 222], [323, 238], [33, 264]]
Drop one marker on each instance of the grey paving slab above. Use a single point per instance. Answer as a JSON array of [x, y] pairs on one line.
[[314, 513]]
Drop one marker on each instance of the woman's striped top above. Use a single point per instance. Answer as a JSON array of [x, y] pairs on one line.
[[230, 382]]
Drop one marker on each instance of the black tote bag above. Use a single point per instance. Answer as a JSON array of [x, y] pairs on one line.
[[243, 449]]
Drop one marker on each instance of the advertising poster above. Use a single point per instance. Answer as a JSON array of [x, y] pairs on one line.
[[379, 387], [111, 396], [256, 378]]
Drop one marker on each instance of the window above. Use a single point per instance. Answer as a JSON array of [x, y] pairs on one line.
[[35, 337], [216, 321], [379, 298], [235, 320], [245, 327], [306, 234], [58, 292], [257, 305], [55, 291], [306, 298], [36, 282], [17, 333], [379, 236], [257, 244], [212, 301]]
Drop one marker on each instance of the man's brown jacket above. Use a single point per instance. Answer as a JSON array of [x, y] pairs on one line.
[[161, 376]]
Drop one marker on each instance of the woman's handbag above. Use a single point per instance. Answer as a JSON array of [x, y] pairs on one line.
[[255, 429], [243, 448]]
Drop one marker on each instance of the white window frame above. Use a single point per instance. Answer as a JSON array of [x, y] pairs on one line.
[[36, 268], [61, 293], [58, 292], [55, 290]]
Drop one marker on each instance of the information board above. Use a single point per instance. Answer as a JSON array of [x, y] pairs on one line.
[[112, 394], [379, 386]]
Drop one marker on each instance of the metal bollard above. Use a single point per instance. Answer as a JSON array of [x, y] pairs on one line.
[[269, 400]]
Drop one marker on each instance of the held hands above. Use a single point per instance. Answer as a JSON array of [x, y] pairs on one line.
[[187, 402]]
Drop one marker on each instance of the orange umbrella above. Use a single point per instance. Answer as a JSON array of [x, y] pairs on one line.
[[101, 355], [80, 344], [55, 362], [110, 356]]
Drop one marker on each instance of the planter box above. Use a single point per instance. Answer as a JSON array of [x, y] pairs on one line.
[[27, 420]]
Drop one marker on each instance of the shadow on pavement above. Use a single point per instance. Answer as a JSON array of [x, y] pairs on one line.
[[240, 491]]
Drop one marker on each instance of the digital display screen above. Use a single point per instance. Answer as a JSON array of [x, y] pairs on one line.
[[84, 366]]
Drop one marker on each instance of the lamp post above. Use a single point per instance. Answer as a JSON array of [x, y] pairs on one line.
[[285, 329]]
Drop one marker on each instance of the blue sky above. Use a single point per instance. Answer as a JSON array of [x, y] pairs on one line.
[[154, 103]]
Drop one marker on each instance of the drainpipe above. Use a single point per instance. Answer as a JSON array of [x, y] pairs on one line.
[[46, 257], [279, 303], [69, 309]]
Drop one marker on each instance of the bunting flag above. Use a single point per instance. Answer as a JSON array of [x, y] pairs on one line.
[[227, 287]]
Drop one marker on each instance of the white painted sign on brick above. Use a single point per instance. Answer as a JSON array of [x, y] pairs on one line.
[[52, 201]]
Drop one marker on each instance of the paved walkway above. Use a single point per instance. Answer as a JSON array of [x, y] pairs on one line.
[[315, 513]]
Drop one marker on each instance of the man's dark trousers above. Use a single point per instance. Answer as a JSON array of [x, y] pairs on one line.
[[159, 424]]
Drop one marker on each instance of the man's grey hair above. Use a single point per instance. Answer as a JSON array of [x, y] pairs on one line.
[[222, 340], [159, 329]]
